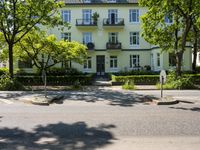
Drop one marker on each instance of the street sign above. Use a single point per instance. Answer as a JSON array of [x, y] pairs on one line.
[[163, 76]]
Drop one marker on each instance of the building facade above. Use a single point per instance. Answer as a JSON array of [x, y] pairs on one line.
[[111, 29]]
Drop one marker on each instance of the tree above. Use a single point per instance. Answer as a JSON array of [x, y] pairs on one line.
[[171, 36], [46, 51], [18, 17]]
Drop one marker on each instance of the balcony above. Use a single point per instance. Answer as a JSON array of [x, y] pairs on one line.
[[85, 23], [118, 23], [113, 46]]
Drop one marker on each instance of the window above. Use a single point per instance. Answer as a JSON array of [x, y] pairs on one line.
[[113, 37], [113, 61], [134, 15], [66, 36], [134, 61], [172, 59], [87, 16], [112, 16], [158, 59], [25, 63], [87, 37], [111, 1], [134, 39], [87, 1], [199, 57], [66, 16], [168, 18], [87, 63]]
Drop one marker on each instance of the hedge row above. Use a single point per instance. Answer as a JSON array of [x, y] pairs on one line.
[[56, 80], [149, 79]]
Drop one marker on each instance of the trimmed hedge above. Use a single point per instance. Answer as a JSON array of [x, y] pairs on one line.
[[149, 79], [137, 79], [56, 80]]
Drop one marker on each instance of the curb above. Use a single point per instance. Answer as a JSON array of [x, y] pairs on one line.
[[172, 102], [46, 101]]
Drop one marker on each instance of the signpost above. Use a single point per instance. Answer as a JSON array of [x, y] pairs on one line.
[[163, 78]]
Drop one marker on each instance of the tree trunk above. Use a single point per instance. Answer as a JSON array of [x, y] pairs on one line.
[[10, 49], [179, 57], [194, 56]]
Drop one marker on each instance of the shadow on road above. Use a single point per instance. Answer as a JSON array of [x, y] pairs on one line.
[[77, 136], [0, 118], [197, 109]]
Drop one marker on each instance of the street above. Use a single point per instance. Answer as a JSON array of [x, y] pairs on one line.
[[101, 119]]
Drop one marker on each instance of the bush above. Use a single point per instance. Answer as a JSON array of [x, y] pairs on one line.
[[183, 82], [4, 71], [137, 79], [7, 84], [138, 72], [129, 85]]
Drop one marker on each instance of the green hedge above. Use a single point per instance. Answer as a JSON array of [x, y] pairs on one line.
[[137, 79], [149, 79], [56, 80]]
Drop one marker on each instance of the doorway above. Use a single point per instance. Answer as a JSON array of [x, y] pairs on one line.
[[100, 65]]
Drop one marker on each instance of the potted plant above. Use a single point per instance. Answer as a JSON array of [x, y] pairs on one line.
[[95, 17]]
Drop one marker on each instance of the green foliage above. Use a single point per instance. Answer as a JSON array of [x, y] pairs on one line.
[[63, 71], [56, 80], [137, 72], [138, 79], [3, 71], [173, 82], [129, 85], [46, 51], [7, 84]]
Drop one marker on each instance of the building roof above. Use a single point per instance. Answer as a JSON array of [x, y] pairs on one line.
[[100, 2]]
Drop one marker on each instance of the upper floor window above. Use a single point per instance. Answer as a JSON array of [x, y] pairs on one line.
[[113, 37], [111, 1], [134, 61], [66, 16], [134, 15], [168, 18], [112, 16], [134, 39], [66, 36], [87, 37], [87, 16]]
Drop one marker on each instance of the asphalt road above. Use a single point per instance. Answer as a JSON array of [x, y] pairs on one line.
[[101, 119]]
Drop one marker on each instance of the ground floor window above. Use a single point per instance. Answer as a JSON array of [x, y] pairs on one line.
[[66, 64], [172, 59], [134, 61], [113, 61], [87, 63], [199, 57], [25, 63]]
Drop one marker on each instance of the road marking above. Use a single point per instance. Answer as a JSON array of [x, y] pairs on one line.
[[6, 101]]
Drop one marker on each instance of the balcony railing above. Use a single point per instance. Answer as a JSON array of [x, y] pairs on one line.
[[113, 22], [113, 45], [86, 22]]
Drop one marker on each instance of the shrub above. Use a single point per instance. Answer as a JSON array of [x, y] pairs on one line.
[[7, 84], [138, 72], [4, 71], [129, 85], [183, 82]]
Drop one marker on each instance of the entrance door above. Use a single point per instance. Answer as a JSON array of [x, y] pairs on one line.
[[100, 65]]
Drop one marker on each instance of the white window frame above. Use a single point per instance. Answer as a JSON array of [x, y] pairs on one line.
[[132, 13], [87, 37], [134, 61], [87, 16], [199, 57], [87, 1], [111, 1], [158, 59], [134, 39], [66, 16], [113, 62], [87, 64], [113, 11], [168, 20], [66, 36], [113, 35]]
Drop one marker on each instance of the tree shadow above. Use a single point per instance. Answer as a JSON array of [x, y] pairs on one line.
[[197, 109], [115, 98], [76, 136], [0, 118]]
